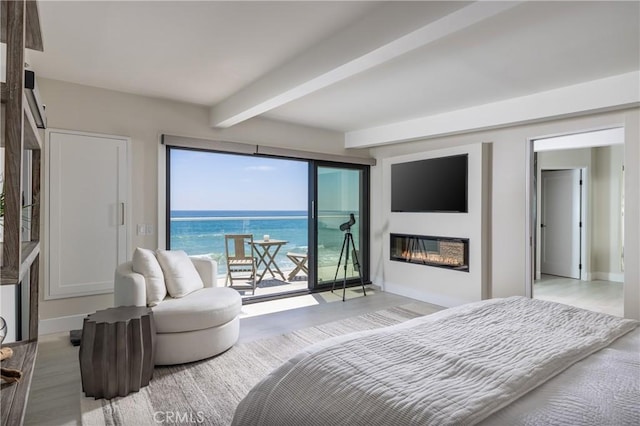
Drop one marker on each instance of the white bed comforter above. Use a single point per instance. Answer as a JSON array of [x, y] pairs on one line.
[[457, 366]]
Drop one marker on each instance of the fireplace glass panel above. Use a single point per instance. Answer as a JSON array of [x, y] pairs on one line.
[[443, 252]]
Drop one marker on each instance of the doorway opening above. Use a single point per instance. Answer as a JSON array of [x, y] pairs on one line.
[[577, 220], [562, 214]]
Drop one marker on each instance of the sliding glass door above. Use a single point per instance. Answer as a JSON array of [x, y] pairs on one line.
[[293, 208], [341, 191], [215, 196]]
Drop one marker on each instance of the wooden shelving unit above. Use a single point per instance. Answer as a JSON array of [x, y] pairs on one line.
[[20, 30], [29, 250], [33, 34], [14, 395]]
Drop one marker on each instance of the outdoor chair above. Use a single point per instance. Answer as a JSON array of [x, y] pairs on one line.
[[300, 262], [241, 261]]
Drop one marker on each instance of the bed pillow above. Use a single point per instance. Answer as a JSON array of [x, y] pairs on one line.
[[180, 275], [146, 264]]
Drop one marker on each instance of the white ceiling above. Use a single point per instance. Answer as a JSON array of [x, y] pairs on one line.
[[345, 66], [199, 52]]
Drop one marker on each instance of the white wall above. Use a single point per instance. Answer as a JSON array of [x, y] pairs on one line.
[[508, 207], [606, 248], [76, 107], [510, 180], [444, 287], [143, 119], [564, 159]]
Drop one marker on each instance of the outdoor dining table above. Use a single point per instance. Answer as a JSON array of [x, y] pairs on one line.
[[267, 251]]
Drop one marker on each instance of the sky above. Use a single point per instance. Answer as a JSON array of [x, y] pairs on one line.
[[214, 181]]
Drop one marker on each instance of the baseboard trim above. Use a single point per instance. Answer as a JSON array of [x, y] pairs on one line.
[[434, 299], [617, 277], [60, 324]]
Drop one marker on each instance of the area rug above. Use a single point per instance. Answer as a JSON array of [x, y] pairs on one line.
[[207, 392]]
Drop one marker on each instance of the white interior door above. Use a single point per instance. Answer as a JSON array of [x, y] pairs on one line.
[[560, 222], [87, 230]]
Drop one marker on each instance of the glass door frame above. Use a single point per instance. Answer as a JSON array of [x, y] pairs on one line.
[[364, 225]]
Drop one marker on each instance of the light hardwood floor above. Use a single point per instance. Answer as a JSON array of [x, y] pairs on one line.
[[599, 296], [56, 387]]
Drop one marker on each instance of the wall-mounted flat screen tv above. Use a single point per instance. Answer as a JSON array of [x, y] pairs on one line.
[[431, 185]]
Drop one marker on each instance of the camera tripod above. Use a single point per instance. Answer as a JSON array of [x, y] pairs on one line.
[[348, 244]]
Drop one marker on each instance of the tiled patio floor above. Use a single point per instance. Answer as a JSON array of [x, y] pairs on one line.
[[269, 286]]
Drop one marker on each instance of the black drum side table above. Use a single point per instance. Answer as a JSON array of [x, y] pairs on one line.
[[117, 351]]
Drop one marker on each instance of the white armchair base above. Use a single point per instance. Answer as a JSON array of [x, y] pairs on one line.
[[199, 325], [188, 346]]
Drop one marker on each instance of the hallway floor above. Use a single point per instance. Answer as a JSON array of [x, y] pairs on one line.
[[599, 296]]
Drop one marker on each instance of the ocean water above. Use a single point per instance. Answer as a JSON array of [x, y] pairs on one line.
[[201, 232]]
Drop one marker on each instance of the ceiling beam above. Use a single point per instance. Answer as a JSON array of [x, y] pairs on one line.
[[381, 36], [607, 94]]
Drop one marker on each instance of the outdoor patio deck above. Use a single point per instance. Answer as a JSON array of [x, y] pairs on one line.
[[271, 285]]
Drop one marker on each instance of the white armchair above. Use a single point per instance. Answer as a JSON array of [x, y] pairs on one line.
[[199, 325]]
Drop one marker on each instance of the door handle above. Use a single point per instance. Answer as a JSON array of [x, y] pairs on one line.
[[542, 225], [122, 214]]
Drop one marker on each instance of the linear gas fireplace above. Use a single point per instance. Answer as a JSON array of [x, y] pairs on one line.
[[443, 252]]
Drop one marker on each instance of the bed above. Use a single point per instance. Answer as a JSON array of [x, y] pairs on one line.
[[496, 362]]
